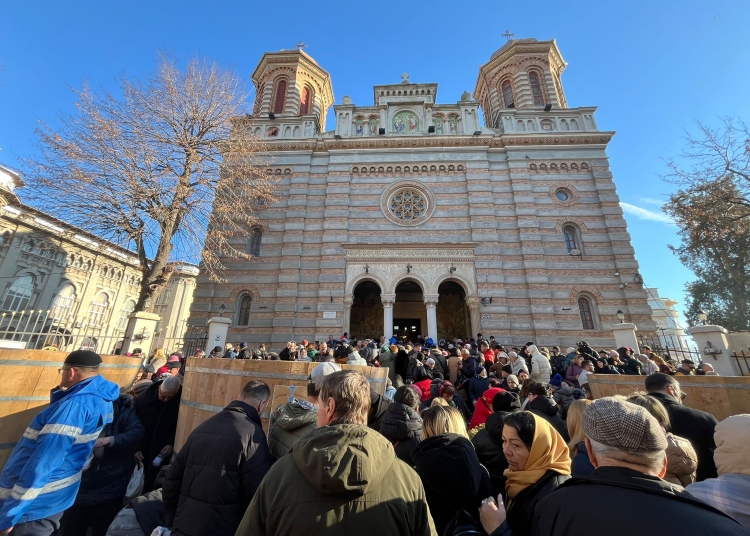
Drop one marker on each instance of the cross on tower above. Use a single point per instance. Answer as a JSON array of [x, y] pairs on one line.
[[508, 35], [405, 78], [301, 45]]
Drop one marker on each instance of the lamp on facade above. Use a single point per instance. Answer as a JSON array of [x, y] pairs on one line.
[[621, 316], [367, 268], [408, 268], [702, 316], [452, 269], [222, 309], [142, 336]]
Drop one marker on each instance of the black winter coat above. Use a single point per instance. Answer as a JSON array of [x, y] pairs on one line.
[[521, 510], [378, 406], [159, 420], [488, 444], [697, 427], [402, 426], [477, 387], [452, 477], [402, 363], [107, 478], [213, 478], [547, 409], [671, 509]]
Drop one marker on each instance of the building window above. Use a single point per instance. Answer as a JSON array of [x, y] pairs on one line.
[[164, 297], [563, 195], [587, 316], [18, 295], [243, 314], [63, 304], [98, 310], [507, 90], [127, 309], [253, 243], [304, 104], [570, 238], [280, 97], [536, 89]]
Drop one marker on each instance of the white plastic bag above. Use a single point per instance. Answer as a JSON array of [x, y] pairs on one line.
[[161, 531], [135, 486]]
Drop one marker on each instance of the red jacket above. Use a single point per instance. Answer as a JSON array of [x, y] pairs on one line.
[[424, 389], [483, 407], [489, 356]]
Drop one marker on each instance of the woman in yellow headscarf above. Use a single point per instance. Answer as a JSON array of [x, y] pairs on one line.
[[538, 462]]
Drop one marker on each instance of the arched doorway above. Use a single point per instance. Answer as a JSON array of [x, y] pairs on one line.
[[453, 318], [409, 312], [367, 311]]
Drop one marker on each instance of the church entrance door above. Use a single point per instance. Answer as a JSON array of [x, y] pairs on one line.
[[409, 306], [407, 329], [367, 311], [453, 318]]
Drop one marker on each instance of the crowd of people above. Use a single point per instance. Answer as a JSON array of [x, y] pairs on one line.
[[468, 438]]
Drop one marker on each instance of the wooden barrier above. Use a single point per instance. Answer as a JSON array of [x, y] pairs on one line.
[[210, 384], [721, 396], [27, 378]]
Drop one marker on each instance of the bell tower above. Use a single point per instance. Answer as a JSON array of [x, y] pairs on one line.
[[291, 84], [523, 74]]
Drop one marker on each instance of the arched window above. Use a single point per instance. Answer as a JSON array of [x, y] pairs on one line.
[[586, 311], [253, 243], [243, 311], [278, 106], [164, 297], [571, 238], [507, 90], [304, 103], [98, 310], [127, 310], [62, 306], [18, 295], [536, 89]]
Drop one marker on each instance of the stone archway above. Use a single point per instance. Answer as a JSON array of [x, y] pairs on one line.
[[453, 318], [366, 316], [409, 312]]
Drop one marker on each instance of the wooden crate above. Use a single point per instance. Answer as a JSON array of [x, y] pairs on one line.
[[721, 396], [27, 378], [210, 384]]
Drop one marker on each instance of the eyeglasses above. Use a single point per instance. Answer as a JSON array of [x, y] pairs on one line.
[[60, 370]]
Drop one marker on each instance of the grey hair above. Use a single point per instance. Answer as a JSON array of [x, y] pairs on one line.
[[652, 461], [465, 351], [171, 384]]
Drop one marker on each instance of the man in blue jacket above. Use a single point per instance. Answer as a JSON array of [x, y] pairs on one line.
[[41, 478]]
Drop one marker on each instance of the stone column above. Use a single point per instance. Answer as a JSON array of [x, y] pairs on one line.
[[387, 300], [473, 303], [140, 332], [430, 301], [218, 327], [348, 301], [625, 336], [714, 339]]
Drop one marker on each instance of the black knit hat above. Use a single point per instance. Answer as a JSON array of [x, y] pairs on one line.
[[83, 358], [506, 401]]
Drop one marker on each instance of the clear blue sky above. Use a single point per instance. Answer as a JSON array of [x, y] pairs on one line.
[[652, 67]]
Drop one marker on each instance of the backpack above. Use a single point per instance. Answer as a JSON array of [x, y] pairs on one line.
[[463, 524]]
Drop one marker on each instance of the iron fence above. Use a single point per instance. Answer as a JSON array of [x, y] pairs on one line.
[[39, 329], [181, 338], [671, 347], [743, 362]]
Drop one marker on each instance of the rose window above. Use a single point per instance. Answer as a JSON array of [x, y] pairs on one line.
[[408, 203]]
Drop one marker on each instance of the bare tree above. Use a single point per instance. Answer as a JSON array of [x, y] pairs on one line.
[[165, 168], [713, 156]]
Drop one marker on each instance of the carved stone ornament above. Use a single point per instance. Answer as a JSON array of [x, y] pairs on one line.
[[348, 300], [473, 301], [408, 203], [409, 254], [431, 300], [388, 299]]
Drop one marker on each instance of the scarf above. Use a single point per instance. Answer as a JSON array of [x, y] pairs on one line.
[[548, 453], [483, 408]]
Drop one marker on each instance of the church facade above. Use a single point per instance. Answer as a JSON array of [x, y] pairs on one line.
[[411, 216]]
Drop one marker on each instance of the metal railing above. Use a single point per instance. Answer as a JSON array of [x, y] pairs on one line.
[[193, 338], [671, 347], [40, 329], [743, 362]]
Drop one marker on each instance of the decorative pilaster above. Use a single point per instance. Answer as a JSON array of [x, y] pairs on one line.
[[473, 303], [348, 301], [387, 300], [430, 301]]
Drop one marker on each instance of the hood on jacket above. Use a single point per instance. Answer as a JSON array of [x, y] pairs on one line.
[[449, 458], [544, 404], [344, 459], [295, 414], [732, 436], [97, 386], [401, 422], [494, 426]]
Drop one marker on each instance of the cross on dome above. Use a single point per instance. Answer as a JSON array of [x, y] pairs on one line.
[[301, 45], [508, 35], [405, 78]]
